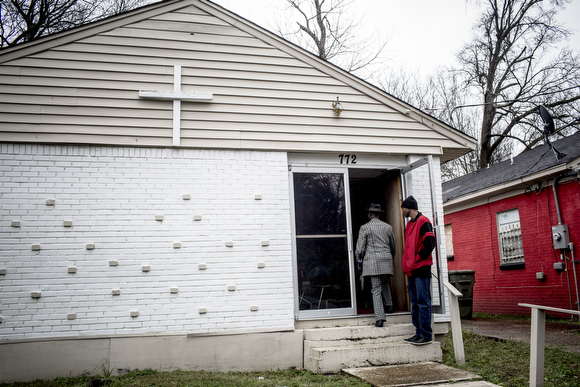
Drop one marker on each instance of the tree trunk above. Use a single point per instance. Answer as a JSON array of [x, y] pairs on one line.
[[486, 127]]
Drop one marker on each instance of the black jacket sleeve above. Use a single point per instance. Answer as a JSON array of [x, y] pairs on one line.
[[428, 243]]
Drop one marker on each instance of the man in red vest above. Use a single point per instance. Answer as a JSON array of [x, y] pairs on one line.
[[417, 261]]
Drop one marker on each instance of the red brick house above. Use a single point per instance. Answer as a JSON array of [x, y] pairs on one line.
[[501, 222]]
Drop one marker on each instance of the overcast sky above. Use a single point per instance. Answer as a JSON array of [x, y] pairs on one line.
[[423, 34]]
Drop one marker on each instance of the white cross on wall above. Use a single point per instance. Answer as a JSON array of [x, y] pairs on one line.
[[177, 96]]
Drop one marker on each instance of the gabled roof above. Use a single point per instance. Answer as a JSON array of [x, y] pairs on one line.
[[374, 112], [537, 163]]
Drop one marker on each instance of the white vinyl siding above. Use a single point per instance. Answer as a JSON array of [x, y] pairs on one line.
[[86, 91]]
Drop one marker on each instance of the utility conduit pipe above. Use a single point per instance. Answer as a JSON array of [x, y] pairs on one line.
[[554, 185], [571, 246], [554, 189]]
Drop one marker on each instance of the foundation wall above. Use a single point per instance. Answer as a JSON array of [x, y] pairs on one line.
[[48, 359]]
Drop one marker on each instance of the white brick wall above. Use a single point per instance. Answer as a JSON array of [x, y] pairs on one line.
[[112, 196]]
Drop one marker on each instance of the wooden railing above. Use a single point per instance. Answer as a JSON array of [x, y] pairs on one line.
[[537, 341], [456, 331]]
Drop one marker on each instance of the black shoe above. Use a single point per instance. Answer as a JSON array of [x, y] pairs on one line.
[[421, 341], [380, 323], [411, 339], [389, 309]]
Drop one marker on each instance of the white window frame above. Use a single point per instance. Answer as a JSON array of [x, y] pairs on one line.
[[448, 228], [509, 235]]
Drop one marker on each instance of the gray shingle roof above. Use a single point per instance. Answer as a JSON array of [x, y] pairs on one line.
[[527, 163]]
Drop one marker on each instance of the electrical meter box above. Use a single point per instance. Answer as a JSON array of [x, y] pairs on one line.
[[561, 236]]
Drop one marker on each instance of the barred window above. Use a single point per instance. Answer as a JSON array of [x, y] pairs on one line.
[[510, 238]]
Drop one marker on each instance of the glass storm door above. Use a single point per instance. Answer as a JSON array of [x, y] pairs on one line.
[[322, 246]]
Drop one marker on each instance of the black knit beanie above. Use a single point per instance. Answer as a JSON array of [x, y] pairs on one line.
[[410, 203]]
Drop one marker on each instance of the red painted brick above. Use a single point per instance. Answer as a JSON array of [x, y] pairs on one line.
[[475, 245]]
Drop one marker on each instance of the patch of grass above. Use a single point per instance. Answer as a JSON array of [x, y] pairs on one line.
[[146, 378], [507, 363], [106, 370], [80, 381], [290, 377]]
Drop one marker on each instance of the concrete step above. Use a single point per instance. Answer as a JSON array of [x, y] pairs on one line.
[[354, 333], [331, 359], [418, 375], [331, 349]]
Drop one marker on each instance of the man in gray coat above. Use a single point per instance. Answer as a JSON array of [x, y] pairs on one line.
[[375, 250]]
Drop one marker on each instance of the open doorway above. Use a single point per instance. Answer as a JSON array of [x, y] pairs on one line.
[[382, 187]]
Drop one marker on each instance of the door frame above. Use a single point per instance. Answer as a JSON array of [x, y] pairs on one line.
[[436, 309], [333, 163]]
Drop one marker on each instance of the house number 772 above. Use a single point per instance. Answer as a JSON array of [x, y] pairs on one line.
[[347, 159]]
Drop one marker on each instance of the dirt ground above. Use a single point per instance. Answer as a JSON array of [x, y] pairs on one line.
[[564, 334]]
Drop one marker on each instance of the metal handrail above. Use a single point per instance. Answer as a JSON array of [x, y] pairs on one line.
[[456, 331], [537, 340]]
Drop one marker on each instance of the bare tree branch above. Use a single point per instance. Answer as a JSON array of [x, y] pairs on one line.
[[508, 63], [25, 20], [325, 29]]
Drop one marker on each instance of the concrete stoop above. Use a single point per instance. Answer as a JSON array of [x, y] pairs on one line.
[[330, 350], [418, 375]]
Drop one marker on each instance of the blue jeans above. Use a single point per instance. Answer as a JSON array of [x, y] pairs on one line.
[[420, 296]]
